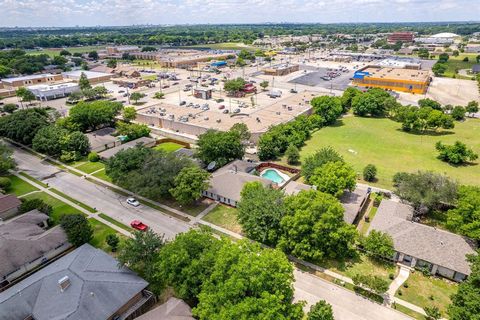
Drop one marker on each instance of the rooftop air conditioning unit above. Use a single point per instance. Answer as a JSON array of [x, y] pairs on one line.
[[64, 283]]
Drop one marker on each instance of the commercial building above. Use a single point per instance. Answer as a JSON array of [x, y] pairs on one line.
[[52, 91], [417, 245], [184, 59], [281, 69], [472, 48], [400, 62], [131, 83], [439, 39], [405, 80], [401, 37], [93, 77], [17, 82], [25, 243], [87, 283], [121, 50]]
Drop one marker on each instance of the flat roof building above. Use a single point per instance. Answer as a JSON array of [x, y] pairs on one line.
[[17, 82], [52, 91], [406, 80], [92, 76], [404, 36], [281, 69]]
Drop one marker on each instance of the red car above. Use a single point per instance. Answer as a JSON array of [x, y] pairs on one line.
[[136, 224]]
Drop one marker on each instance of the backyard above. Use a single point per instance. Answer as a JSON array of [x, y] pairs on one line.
[[426, 291], [225, 217], [381, 142], [168, 146]]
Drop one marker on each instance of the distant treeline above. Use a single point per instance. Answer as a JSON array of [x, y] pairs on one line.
[[29, 38]]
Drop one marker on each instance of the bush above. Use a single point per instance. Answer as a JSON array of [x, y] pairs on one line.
[[391, 276], [10, 107], [69, 156], [293, 155], [93, 157], [5, 183], [32, 204], [405, 285], [368, 294], [369, 173], [112, 240], [458, 153]]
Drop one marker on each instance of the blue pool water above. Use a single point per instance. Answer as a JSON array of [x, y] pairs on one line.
[[273, 175]]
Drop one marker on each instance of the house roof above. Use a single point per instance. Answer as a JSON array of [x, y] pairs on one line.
[[103, 69], [476, 68], [420, 241], [98, 288], [293, 187], [8, 202], [22, 240], [173, 309], [107, 154], [101, 137], [352, 202], [238, 166], [229, 184]]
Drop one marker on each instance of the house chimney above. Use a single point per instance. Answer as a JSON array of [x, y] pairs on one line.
[[64, 283]]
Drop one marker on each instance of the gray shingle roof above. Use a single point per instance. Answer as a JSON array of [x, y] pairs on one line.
[[22, 241], [173, 309], [98, 289], [351, 202], [420, 241], [8, 201], [145, 141], [293, 187], [229, 184]]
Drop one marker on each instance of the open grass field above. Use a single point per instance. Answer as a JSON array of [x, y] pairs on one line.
[[225, 46], [59, 208], [102, 175], [428, 291], [20, 187], [454, 64], [56, 51], [225, 217], [382, 142], [168, 146]]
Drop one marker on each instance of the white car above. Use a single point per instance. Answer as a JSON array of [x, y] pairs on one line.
[[133, 202]]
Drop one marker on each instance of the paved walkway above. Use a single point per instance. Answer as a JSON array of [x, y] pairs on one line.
[[205, 212], [402, 276]]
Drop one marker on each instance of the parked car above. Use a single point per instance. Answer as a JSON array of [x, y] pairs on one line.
[[221, 107], [133, 202], [182, 103], [225, 111], [293, 91], [236, 110], [138, 225]]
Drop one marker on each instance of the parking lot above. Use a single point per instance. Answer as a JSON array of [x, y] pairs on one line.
[[327, 78]]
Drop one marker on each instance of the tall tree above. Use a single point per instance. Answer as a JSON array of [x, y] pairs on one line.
[[320, 311], [221, 147], [334, 178], [83, 82], [189, 184], [260, 211], [329, 108], [465, 217], [379, 244], [318, 159], [23, 125], [91, 115], [77, 228], [6, 160]]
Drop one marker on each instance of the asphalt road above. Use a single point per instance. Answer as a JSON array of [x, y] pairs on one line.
[[346, 305]]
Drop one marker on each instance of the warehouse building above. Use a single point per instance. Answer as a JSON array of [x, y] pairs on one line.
[[405, 80], [281, 69]]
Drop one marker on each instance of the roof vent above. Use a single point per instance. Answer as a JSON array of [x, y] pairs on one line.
[[64, 283]]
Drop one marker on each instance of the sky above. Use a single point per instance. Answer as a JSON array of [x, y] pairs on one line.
[[58, 13]]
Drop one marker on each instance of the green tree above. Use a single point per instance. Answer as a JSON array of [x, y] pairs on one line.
[[348, 96], [148, 49], [439, 69], [242, 129], [465, 217], [133, 130], [320, 311], [334, 178], [458, 113], [443, 57], [53, 140], [375, 283], [25, 94], [329, 108], [65, 53], [159, 95], [369, 172], [83, 82], [472, 107], [293, 154], [129, 114], [91, 115], [6, 159], [466, 302], [425, 190], [234, 85], [187, 262], [137, 96], [189, 184], [221, 147], [112, 240], [375, 102], [260, 211], [318, 159], [93, 55], [23, 125], [140, 252], [112, 63], [93, 157], [379, 244], [77, 228], [248, 282], [425, 103], [5, 184], [10, 107], [36, 203], [458, 153], [264, 84], [313, 227]]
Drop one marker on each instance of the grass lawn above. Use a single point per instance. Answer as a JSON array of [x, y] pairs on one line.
[[29, 177], [56, 51], [102, 175], [168, 146], [456, 63], [90, 167], [100, 233], [59, 208], [193, 209], [225, 46], [362, 265], [381, 142], [421, 289], [225, 217], [20, 187], [409, 312]]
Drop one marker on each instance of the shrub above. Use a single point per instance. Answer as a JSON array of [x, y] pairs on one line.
[[93, 157], [369, 172], [112, 240], [292, 153], [5, 183], [391, 276], [32, 204], [10, 107], [69, 156]]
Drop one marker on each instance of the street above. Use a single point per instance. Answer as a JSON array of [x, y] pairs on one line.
[[346, 304]]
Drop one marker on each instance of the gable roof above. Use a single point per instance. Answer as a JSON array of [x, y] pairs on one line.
[[8, 202], [22, 241], [229, 184], [98, 289], [436, 246], [173, 309], [352, 203]]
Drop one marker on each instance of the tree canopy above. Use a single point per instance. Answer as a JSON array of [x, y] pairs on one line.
[[318, 159], [334, 178], [465, 217], [219, 146], [458, 153], [189, 183], [23, 125], [77, 228], [92, 115], [53, 140], [375, 102], [6, 160], [320, 311], [379, 244], [329, 108]]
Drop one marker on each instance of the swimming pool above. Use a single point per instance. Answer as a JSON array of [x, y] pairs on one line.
[[274, 175]]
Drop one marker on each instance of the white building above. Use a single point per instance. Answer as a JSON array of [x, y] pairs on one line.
[[53, 91]]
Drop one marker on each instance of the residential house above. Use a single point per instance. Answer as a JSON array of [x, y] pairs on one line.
[[144, 141], [173, 309], [25, 243], [9, 205], [417, 245], [102, 139], [87, 283]]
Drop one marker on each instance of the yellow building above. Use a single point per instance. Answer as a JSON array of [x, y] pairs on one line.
[[405, 80]]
